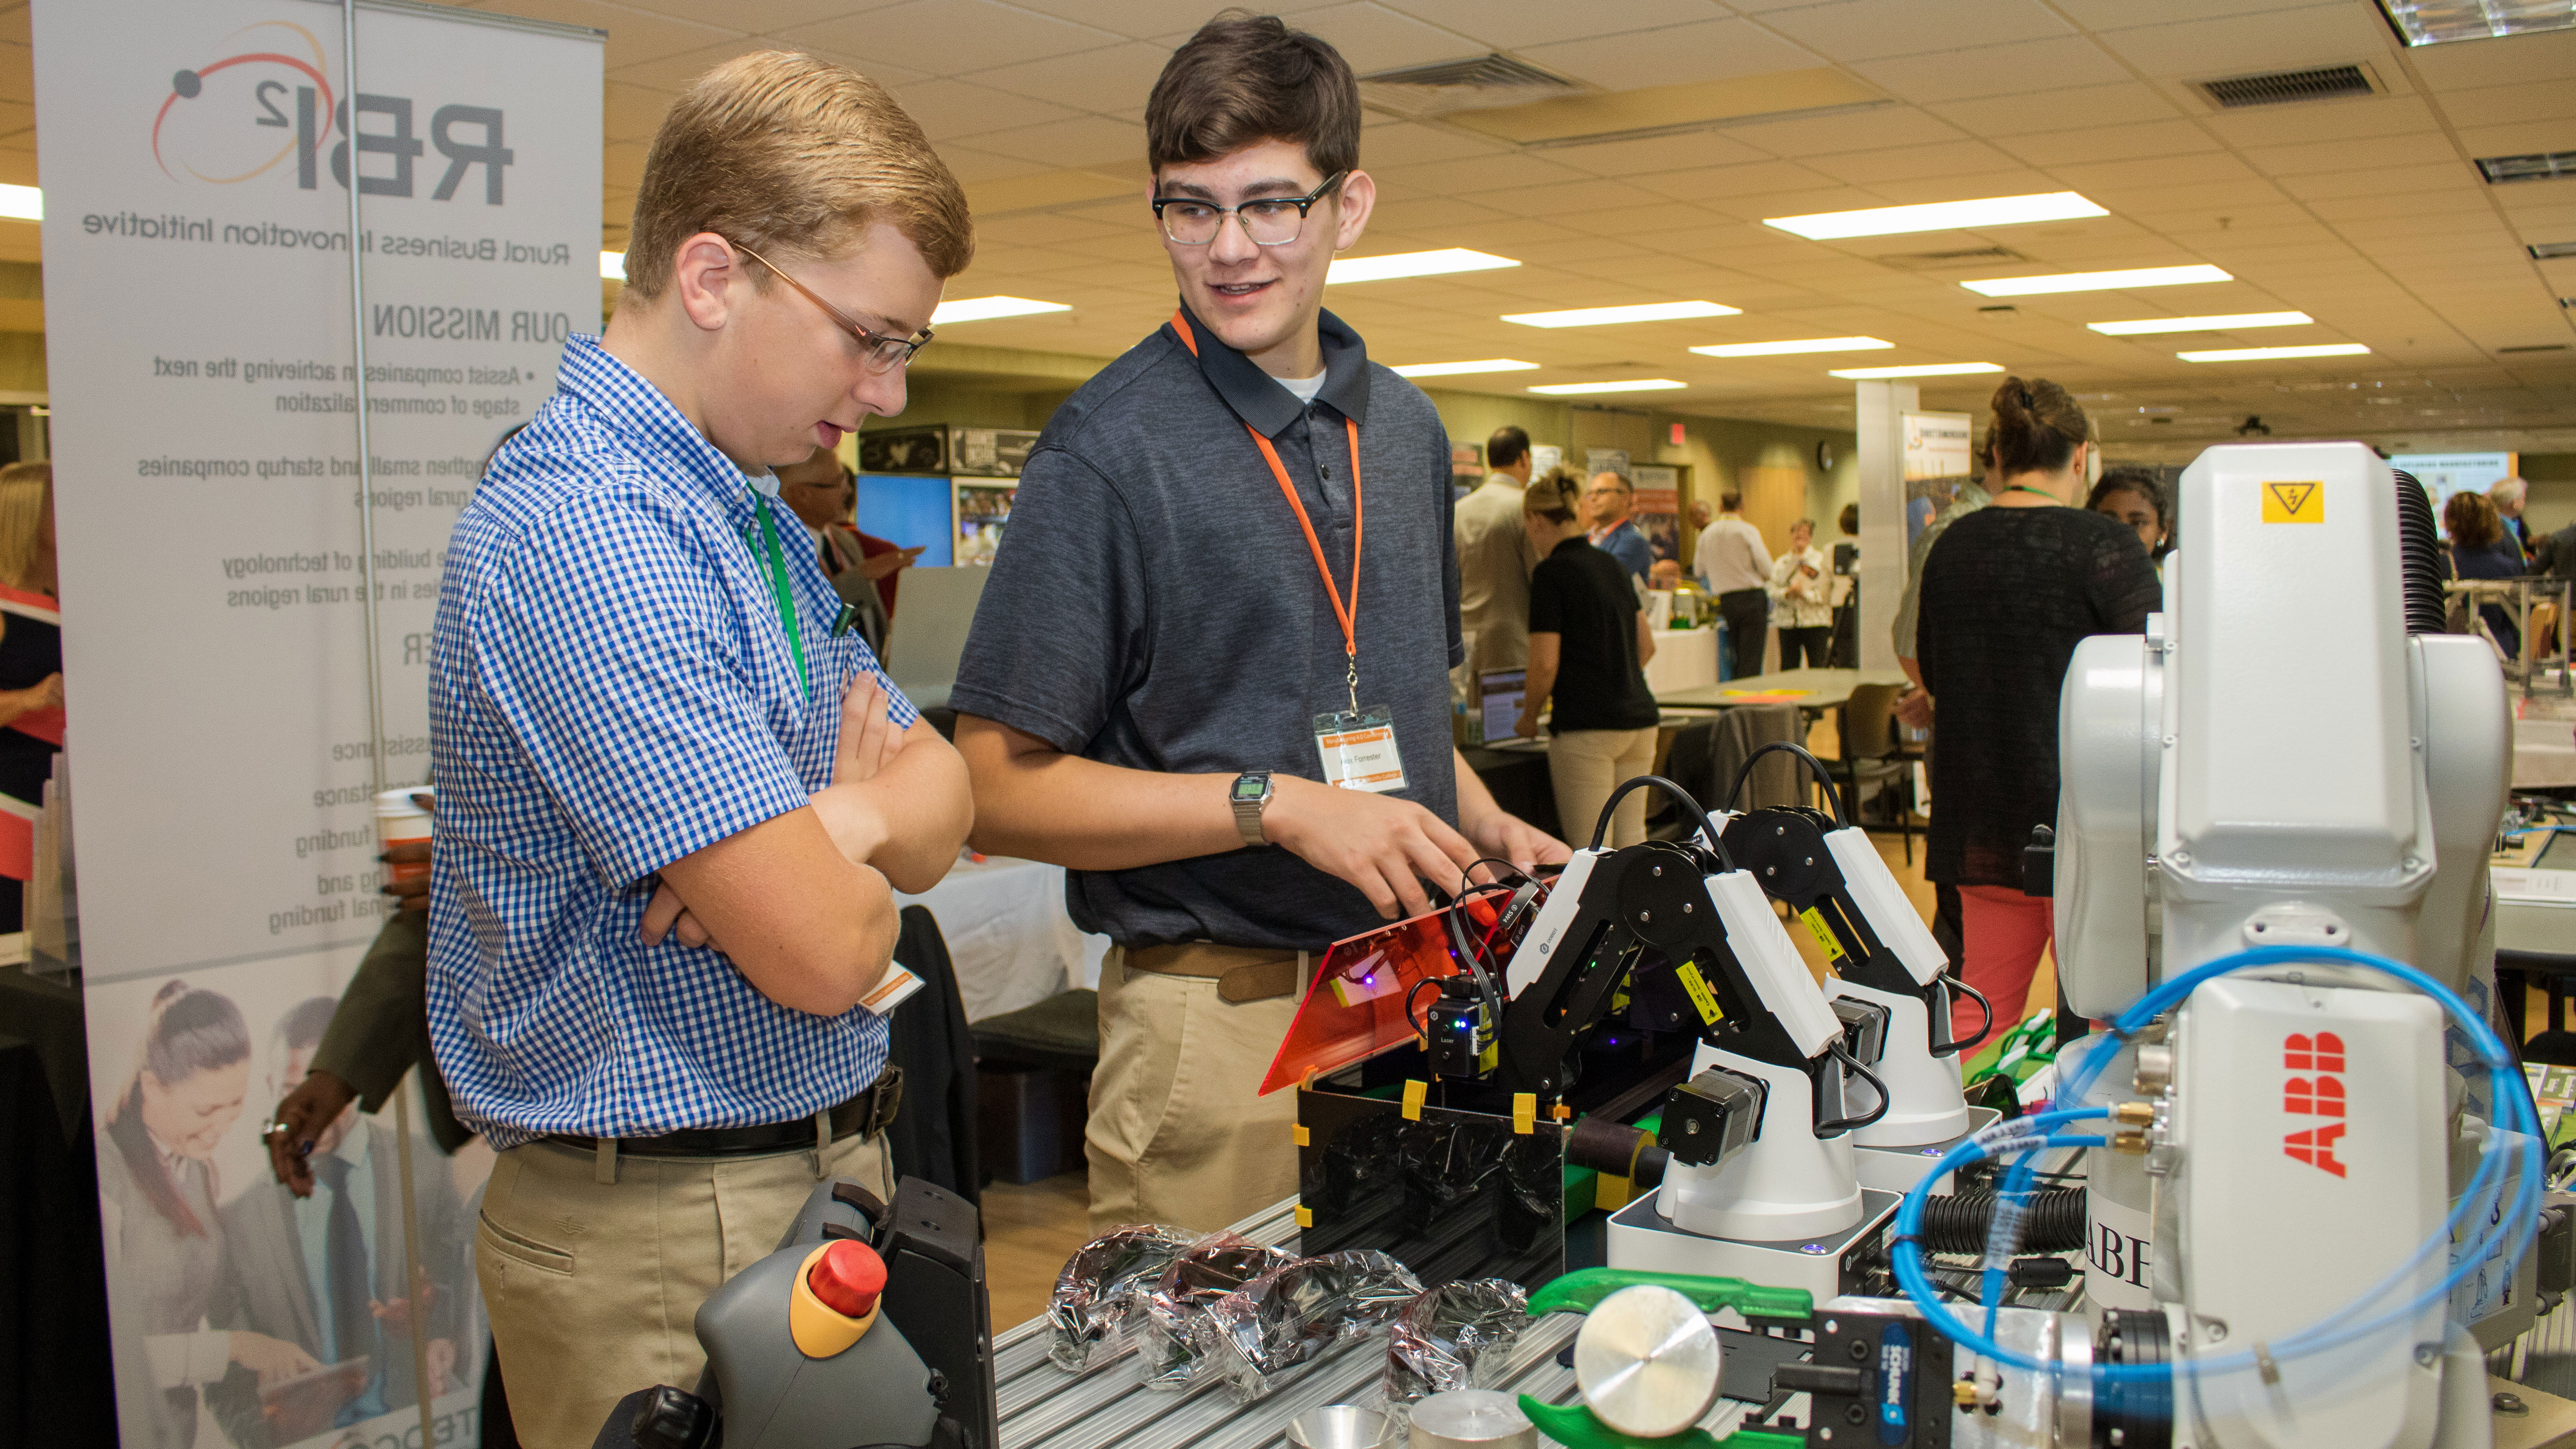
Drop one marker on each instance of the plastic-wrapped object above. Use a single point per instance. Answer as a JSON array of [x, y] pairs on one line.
[[1438, 1341], [1099, 1298], [1291, 1314], [1213, 1267]]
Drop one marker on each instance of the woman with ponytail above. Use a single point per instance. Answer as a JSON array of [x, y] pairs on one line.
[[165, 1241], [2007, 593]]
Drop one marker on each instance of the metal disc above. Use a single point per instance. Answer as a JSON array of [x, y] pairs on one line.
[[1647, 1362]]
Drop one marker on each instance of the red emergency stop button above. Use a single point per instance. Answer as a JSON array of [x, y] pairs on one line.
[[847, 1278]]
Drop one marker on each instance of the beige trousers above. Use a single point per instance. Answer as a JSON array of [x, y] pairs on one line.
[[593, 1289], [1177, 1132], [1585, 766]]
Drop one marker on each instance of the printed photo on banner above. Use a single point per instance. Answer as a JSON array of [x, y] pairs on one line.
[[246, 1316]]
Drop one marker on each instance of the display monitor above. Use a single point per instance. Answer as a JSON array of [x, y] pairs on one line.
[[1498, 702], [913, 512], [2444, 474]]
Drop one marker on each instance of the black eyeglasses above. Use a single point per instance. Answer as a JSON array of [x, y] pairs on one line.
[[882, 354], [1271, 221]]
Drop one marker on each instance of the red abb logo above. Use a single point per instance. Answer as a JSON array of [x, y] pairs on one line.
[[2318, 1096]]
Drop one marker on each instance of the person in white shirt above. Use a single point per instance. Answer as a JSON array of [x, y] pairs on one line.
[[1802, 591], [1736, 569], [1495, 558]]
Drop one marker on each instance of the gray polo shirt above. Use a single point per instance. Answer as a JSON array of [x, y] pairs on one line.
[[1154, 606]]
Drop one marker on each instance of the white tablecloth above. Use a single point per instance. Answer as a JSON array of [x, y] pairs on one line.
[[1008, 934], [1684, 659]]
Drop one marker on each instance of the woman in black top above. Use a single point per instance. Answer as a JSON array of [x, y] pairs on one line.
[[31, 672], [1588, 643], [2007, 592]]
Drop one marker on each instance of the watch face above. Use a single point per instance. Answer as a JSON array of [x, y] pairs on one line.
[[1247, 789]]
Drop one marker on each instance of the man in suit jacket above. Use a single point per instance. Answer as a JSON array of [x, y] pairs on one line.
[[326, 1272]]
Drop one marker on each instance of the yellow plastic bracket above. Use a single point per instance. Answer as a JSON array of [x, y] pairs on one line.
[[1524, 1113], [1299, 1132], [1415, 1093], [1305, 1216]]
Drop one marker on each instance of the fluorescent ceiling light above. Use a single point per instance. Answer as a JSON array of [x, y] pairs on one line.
[[26, 203], [1455, 369], [1579, 389], [2096, 281], [976, 309], [1414, 264], [2266, 354], [2431, 22], [1938, 216], [1795, 344], [1604, 316], [1929, 369], [2227, 323], [612, 266]]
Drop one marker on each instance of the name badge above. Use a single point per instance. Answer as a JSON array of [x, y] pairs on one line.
[[1359, 750]]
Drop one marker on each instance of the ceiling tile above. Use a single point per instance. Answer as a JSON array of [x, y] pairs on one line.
[[1482, 175], [1913, 191], [1374, 38], [2289, 125], [1943, 158], [970, 165], [633, 112], [948, 37], [2243, 44], [948, 109], [2519, 138], [1139, 19], [1112, 78], [2445, 177], [1660, 153], [1077, 142], [1995, 70], [1862, 130], [1757, 178], [1408, 144], [2123, 14], [2512, 61], [1875, 29], [2160, 171], [1676, 55], [2111, 143], [1580, 196], [634, 36], [759, 17], [2356, 155], [17, 73], [677, 72], [2553, 100], [2075, 106], [1514, 24]]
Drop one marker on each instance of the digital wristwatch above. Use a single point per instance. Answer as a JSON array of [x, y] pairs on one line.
[[1251, 792]]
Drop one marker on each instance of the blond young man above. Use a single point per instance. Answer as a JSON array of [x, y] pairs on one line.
[[1160, 651], [674, 794]]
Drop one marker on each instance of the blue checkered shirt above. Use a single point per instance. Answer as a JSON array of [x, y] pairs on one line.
[[611, 689]]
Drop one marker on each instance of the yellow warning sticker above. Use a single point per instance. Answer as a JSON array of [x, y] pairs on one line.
[[1700, 995], [1823, 933], [2294, 503]]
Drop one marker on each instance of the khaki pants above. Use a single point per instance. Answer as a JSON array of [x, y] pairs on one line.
[[593, 1289], [1585, 766], [1177, 1132]]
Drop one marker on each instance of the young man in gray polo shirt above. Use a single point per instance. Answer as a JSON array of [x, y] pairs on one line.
[[1159, 667]]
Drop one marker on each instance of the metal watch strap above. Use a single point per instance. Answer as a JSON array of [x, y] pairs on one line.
[[1247, 813]]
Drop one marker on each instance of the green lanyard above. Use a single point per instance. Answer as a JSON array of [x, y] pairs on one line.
[[779, 588]]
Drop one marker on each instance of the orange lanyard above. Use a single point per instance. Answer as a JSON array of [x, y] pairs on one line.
[[1348, 614]]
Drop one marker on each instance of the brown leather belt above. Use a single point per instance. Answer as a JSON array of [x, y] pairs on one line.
[[1242, 973], [864, 1115]]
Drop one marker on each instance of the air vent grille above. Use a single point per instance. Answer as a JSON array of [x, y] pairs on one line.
[[2544, 347], [2542, 166], [1483, 73], [1972, 257], [2281, 87]]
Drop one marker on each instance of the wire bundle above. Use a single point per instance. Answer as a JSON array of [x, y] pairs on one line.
[[2018, 1138]]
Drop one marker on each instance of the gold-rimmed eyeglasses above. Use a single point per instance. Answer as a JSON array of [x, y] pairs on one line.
[[1271, 221], [882, 353]]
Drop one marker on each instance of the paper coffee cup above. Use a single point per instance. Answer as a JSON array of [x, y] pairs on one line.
[[400, 821]]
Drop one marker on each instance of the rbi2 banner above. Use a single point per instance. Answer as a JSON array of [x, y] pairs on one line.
[[206, 393]]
